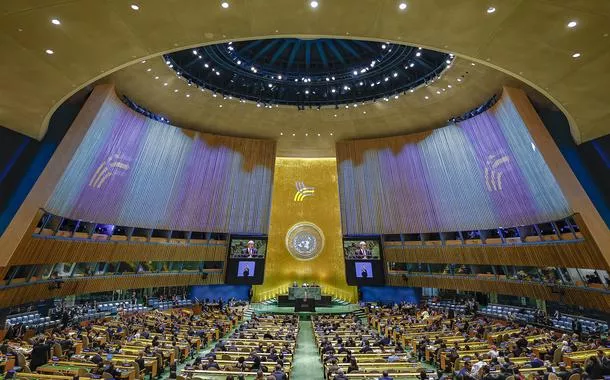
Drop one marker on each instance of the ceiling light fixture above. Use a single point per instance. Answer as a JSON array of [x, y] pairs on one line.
[[576, 55], [491, 10], [55, 22], [224, 4], [135, 7], [572, 24], [418, 54], [402, 6], [49, 51], [314, 4]]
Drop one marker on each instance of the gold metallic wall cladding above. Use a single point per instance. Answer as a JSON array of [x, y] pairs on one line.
[[325, 268], [305, 241]]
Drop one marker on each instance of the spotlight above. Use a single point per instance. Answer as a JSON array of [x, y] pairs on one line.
[[572, 24], [355, 72], [576, 55], [194, 52], [135, 7], [412, 64], [224, 4], [402, 6], [395, 75], [270, 85], [418, 54], [55, 22], [491, 10], [314, 4], [49, 51]]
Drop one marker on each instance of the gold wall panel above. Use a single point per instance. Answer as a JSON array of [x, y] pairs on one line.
[[322, 209]]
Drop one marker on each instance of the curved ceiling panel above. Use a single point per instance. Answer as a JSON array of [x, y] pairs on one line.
[[528, 39]]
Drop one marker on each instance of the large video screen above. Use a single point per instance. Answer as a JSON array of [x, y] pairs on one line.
[[244, 247], [361, 249], [363, 260], [246, 261]]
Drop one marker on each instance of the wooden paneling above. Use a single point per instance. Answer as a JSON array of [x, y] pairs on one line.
[[34, 250], [24, 294], [565, 255], [587, 298]]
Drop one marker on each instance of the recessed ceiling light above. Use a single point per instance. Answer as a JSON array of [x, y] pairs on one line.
[[418, 54], [188, 95], [313, 4], [307, 134], [49, 51], [395, 96], [135, 7], [55, 22], [156, 77], [149, 69], [318, 134], [220, 106], [176, 90], [572, 24], [144, 61], [364, 112], [270, 85], [331, 132], [438, 92], [412, 64], [294, 134], [491, 10], [449, 86], [281, 133], [402, 6], [224, 4], [426, 97], [165, 84], [472, 64], [459, 79], [335, 115], [576, 55]]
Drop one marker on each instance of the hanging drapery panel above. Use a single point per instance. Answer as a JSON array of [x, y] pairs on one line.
[[482, 173], [134, 171]]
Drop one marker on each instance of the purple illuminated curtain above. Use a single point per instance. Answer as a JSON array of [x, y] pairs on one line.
[[131, 170], [483, 173]]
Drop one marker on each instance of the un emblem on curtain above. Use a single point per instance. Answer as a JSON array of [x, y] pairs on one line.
[[304, 241]]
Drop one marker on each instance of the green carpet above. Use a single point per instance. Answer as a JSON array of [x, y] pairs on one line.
[[306, 364]]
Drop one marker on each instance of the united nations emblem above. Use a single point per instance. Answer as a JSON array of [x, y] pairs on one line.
[[304, 241]]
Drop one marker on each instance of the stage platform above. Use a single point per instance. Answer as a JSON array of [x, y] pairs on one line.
[[333, 309]]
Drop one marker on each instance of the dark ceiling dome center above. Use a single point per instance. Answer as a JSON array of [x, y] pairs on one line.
[[308, 72]]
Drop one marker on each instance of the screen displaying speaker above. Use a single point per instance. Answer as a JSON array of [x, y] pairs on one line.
[[363, 260]]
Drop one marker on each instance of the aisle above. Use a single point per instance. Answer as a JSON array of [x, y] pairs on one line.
[[306, 364]]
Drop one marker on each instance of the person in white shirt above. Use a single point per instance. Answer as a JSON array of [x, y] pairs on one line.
[[493, 352], [476, 367]]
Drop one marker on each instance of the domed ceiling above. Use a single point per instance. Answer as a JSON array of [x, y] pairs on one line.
[[308, 72]]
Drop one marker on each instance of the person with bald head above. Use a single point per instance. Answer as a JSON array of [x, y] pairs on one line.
[[250, 250]]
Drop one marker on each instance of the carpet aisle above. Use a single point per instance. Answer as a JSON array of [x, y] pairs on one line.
[[306, 361]]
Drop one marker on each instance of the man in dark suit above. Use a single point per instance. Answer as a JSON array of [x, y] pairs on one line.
[[246, 272], [385, 376], [249, 251], [363, 252]]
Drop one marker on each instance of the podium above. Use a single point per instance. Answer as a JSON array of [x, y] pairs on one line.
[[296, 292], [305, 304]]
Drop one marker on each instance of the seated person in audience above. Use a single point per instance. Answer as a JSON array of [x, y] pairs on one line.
[[279, 373], [385, 376], [594, 368], [340, 375], [535, 361], [465, 373], [562, 372], [268, 335], [348, 357], [353, 366], [576, 368], [259, 375], [211, 364]]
